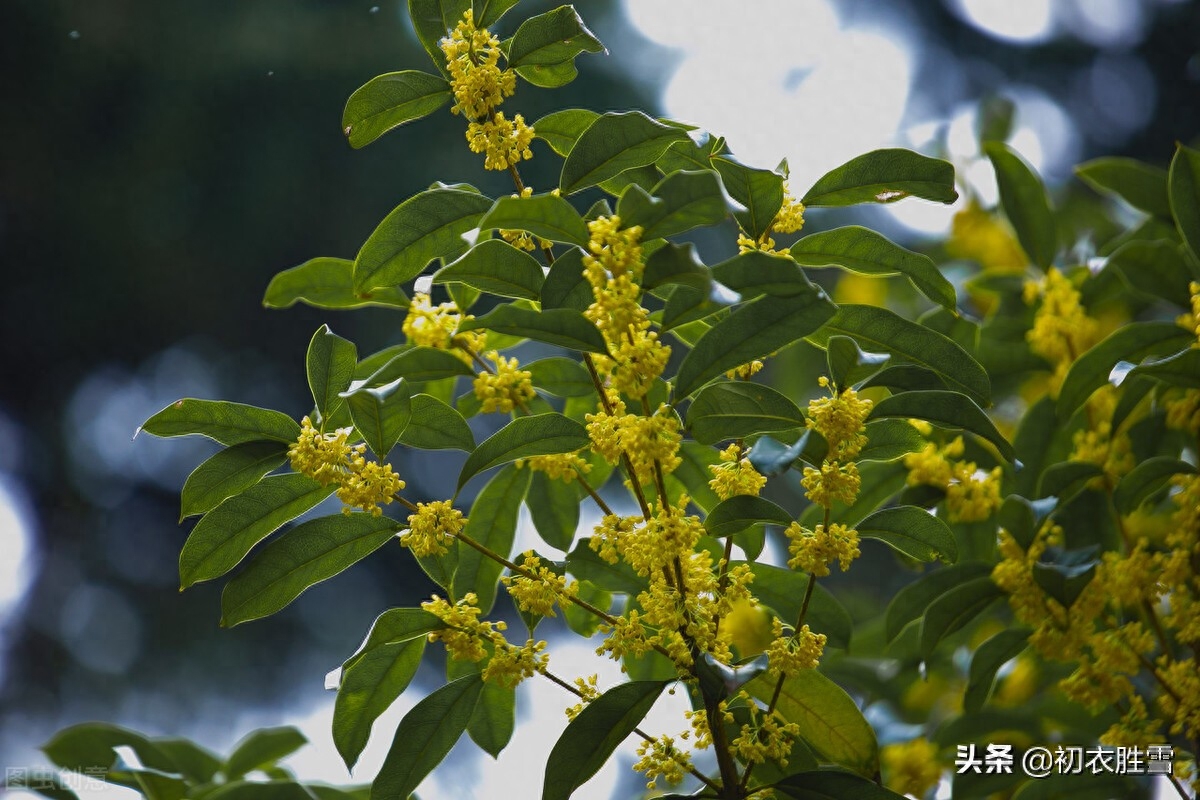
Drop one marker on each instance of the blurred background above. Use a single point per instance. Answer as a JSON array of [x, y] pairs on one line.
[[162, 160]]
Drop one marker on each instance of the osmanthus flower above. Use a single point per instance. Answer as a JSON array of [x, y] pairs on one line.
[[911, 767], [1191, 320], [321, 456], [509, 664], [735, 475], [789, 219], [840, 418], [427, 325], [538, 591], [506, 387], [432, 528], [793, 652], [812, 551], [979, 236], [368, 484], [558, 466], [661, 758], [476, 79], [972, 494], [644, 440], [766, 736], [329, 458], [503, 142], [1099, 444], [466, 637], [588, 691], [1062, 331]]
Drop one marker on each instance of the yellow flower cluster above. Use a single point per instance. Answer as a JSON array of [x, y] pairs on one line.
[[588, 691], [660, 758], [510, 664], [428, 325], [472, 57], [979, 236], [1191, 320], [911, 767], [1183, 412], [503, 142], [840, 418], [643, 439], [813, 551], [524, 240], [800, 650], [329, 458], [505, 388], [432, 528], [833, 481], [465, 636], [972, 495], [538, 591], [667, 535], [558, 466], [1099, 444], [1062, 330], [765, 736], [735, 474], [746, 371]]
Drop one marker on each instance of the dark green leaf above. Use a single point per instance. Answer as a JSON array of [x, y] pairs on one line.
[[735, 409], [192, 761], [565, 286], [676, 264], [426, 226], [681, 201], [89, 746], [911, 601], [330, 362], [226, 534], [954, 609], [594, 734], [551, 38], [562, 129], [947, 409], [538, 435], [912, 531], [759, 191], [782, 591], [488, 12], [546, 216], [644, 177], [262, 749], [612, 144], [829, 784], [1181, 369], [586, 565], [381, 414], [493, 523], [848, 364], [497, 267], [1147, 478], [227, 423], [1025, 204], [684, 305], [227, 473], [1141, 185], [1183, 183], [491, 726], [885, 176], [312, 552], [425, 737], [1154, 267], [394, 626], [880, 330], [692, 154], [558, 326], [987, 660], [388, 101], [754, 330], [694, 475], [889, 439], [436, 426], [1064, 574], [740, 512], [327, 283], [419, 365], [1021, 517], [757, 273], [562, 377], [863, 251], [906, 377], [433, 20], [1060, 479], [1091, 370], [829, 719], [554, 508], [44, 782], [369, 686]]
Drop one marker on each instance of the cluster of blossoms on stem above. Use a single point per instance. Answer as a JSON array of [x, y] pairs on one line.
[[982, 237], [766, 736], [565, 467], [790, 654], [1062, 331], [329, 458], [427, 325], [537, 588], [735, 475], [505, 387], [524, 240], [661, 758], [644, 440], [911, 767], [972, 494], [480, 85], [840, 418], [789, 219], [468, 638], [432, 528], [1099, 444]]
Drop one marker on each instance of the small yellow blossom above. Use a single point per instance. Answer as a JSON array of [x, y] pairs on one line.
[[746, 371], [735, 475], [506, 387], [504, 143], [790, 654], [432, 528], [1062, 331], [813, 551], [588, 691], [911, 767], [981, 237], [322, 457], [840, 419], [558, 466], [465, 635], [833, 481], [765, 736], [660, 758], [328, 458], [538, 591], [790, 217], [476, 79], [509, 664]]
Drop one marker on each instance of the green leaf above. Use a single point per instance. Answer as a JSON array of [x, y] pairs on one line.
[[771, 457], [684, 305], [782, 591], [327, 283], [1134, 341], [228, 472], [330, 363], [880, 330], [563, 327], [832, 784], [1183, 183], [388, 101], [905, 377], [497, 267], [911, 601], [224, 536], [954, 609], [419, 365], [425, 737], [756, 329], [889, 439], [986, 662], [426, 226], [89, 746], [260, 790], [947, 409], [868, 253], [491, 726], [565, 286], [381, 414], [546, 216], [554, 507], [1147, 478], [538, 435], [1059, 479], [848, 364], [678, 203], [1064, 574], [550, 39], [757, 273], [1156, 268], [742, 511], [493, 523], [736, 409], [395, 626], [1140, 185], [562, 129], [262, 748], [370, 684], [594, 734], [43, 782], [912, 531], [1025, 204], [436, 426], [310, 553], [192, 761], [586, 565], [676, 264], [488, 12], [433, 20], [1181, 369], [562, 377], [759, 191], [612, 144], [225, 422], [695, 153], [829, 719], [884, 176]]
